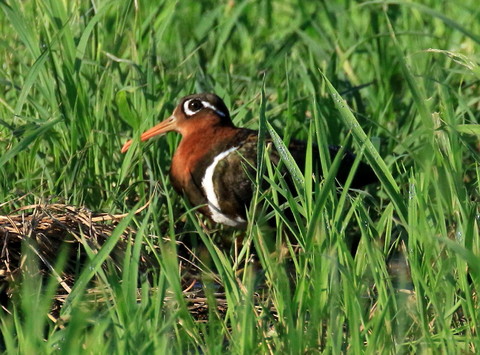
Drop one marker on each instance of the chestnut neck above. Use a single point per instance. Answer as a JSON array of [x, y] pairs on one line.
[[197, 143]]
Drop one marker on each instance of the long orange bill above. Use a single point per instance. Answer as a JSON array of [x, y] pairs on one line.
[[170, 124]]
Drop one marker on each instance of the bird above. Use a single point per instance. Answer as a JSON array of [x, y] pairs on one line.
[[213, 161]]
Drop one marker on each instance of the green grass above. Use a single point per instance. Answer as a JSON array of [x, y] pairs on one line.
[[396, 81]]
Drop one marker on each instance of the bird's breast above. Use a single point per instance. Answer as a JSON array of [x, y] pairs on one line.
[[216, 181], [213, 187]]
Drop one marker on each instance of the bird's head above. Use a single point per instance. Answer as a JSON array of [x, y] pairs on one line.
[[193, 113]]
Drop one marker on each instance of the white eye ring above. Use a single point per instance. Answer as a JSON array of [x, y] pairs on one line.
[[187, 110], [205, 104]]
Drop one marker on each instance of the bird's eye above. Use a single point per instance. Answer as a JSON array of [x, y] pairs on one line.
[[193, 106]]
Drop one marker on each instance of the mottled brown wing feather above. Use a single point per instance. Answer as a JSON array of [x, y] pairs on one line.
[[233, 185], [232, 176]]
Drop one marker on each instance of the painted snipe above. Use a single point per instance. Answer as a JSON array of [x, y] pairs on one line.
[[210, 161]]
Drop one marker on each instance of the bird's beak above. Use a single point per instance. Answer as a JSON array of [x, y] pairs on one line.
[[170, 124]]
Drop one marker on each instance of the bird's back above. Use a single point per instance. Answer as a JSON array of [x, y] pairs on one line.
[[226, 178]]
